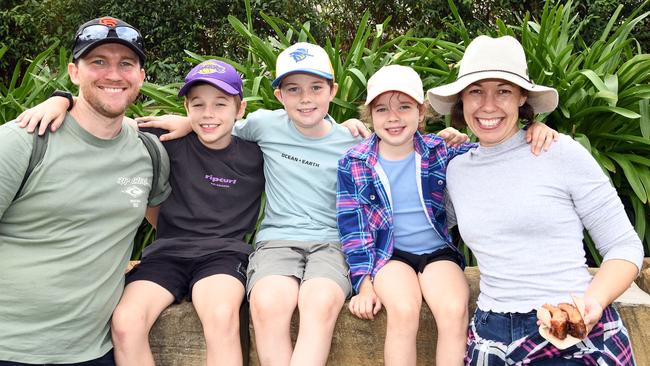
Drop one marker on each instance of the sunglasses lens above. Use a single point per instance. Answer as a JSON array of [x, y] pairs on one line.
[[128, 34], [93, 32]]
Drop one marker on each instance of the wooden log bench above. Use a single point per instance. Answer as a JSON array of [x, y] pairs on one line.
[[177, 337]]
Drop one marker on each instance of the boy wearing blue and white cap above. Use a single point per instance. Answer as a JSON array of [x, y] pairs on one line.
[[199, 252], [298, 259]]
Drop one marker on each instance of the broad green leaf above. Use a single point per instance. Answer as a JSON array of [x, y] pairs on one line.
[[644, 121], [583, 140], [617, 110], [639, 217], [627, 138], [604, 161], [632, 177]]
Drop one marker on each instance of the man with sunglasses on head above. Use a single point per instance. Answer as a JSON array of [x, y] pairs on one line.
[[66, 234]]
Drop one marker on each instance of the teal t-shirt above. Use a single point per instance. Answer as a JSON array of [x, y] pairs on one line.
[[300, 176], [65, 241]]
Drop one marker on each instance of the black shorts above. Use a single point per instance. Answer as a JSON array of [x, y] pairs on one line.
[[178, 275], [106, 360], [419, 261]]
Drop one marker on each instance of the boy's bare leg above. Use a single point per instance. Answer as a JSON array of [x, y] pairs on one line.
[[445, 290], [273, 300], [217, 300], [398, 287], [137, 311], [319, 302]]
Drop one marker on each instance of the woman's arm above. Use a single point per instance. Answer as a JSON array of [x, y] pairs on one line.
[[611, 280], [603, 215]]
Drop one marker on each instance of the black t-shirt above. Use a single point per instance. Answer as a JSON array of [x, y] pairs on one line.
[[215, 198]]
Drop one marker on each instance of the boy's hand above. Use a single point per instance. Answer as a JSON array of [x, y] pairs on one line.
[[49, 113], [453, 137], [356, 127], [178, 126], [540, 136]]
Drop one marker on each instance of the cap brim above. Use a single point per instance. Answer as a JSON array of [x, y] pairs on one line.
[[326, 75], [225, 87], [90, 46], [411, 93], [442, 98]]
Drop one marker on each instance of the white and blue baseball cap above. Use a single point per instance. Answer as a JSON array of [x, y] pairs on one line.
[[303, 57]]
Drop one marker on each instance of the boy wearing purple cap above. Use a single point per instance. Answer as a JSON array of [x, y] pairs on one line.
[[199, 252]]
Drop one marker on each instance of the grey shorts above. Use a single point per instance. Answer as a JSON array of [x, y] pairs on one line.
[[303, 260]]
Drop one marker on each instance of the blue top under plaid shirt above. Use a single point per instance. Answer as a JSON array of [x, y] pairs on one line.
[[364, 214]]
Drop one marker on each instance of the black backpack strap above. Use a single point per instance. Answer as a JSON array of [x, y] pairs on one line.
[[152, 148], [38, 151]]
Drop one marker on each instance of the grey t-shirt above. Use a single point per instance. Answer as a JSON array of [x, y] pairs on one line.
[[65, 242], [523, 217]]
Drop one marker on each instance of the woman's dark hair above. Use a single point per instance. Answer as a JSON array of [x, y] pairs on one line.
[[526, 113]]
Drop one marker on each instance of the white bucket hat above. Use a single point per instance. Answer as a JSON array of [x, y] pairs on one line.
[[395, 78], [303, 57], [493, 58]]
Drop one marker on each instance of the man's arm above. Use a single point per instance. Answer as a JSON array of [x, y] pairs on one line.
[[15, 149], [162, 190]]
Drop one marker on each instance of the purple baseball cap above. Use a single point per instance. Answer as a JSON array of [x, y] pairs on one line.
[[216, 73]]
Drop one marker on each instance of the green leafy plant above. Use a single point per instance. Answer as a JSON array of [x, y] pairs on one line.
[[35, 84], [604, 90]]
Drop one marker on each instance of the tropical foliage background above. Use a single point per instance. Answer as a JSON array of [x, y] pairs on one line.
[[598, 63]]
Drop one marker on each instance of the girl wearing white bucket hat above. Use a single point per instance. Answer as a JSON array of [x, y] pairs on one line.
[[523, 217]]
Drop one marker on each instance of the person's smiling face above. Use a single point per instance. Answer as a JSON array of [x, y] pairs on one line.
[[109, 78], [491, 109], [306, 98], [395, 118], [212, 114]]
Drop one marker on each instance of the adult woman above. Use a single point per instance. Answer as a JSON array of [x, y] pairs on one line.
[[523, 216]]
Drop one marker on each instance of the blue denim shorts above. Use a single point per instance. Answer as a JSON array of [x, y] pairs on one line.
[[509, 327]]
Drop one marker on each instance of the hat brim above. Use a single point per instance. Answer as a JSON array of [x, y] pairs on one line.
[[442, 98], [225, 87], [325, 75], [81, 52]]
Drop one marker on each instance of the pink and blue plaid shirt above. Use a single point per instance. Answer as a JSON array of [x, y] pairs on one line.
[[364, 214]]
